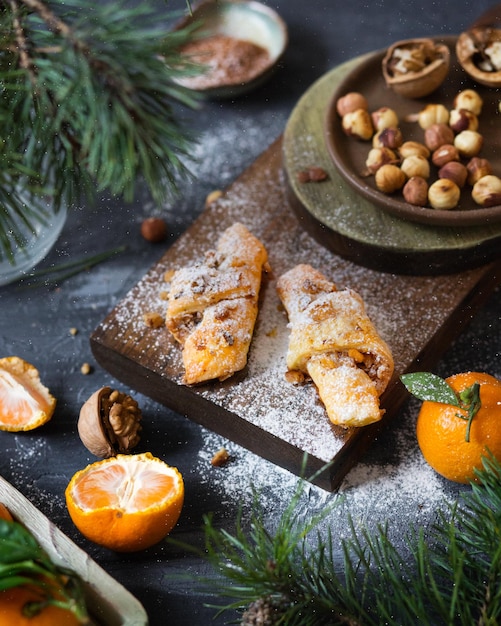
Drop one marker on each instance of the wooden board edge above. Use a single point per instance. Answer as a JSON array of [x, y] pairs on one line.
[[424, 361], [202, 411], [109, 603]]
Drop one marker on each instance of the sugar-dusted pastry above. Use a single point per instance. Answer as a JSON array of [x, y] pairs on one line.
[[334, 343], [213, 305]]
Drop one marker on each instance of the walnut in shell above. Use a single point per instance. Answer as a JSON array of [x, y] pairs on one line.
[[479, 53], [414, 68], [109, 423]]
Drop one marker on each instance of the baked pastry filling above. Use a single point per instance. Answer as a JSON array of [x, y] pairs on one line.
[[213, 305], [335, 344]]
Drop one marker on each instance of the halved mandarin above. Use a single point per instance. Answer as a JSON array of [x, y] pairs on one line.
[[25, 403], [126, 503]]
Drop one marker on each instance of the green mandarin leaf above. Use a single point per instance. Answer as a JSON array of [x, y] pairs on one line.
[[428, 386]]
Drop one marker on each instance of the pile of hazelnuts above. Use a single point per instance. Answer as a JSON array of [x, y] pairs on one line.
[[451, 143]]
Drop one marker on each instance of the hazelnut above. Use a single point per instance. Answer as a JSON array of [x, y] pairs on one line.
[[390, 137], [415, 166], [109, 423], [454, 171], [433, 114], [462, 119], [384, 117], [444, 154], [358, 124], [470, 100], [154, 229], [444, 194], [437, 135], [477, 168], [351, 102], [415, 191], [487, 191], [410, 148], [312, 174], [469, 143], [415, 67], [389, 178], [378, 157]]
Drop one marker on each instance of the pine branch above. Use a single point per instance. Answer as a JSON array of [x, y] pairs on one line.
[[454, 571], [90, 103]]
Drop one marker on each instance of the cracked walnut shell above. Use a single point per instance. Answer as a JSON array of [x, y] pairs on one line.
[[109, 423], [479, 53], [415, 68]]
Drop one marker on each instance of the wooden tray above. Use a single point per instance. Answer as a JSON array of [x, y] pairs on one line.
[[109, 603], [350, 224], [417, 315]]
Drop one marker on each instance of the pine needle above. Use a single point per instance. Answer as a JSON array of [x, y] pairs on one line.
[[454, 571], [90, 102], [71, 268]]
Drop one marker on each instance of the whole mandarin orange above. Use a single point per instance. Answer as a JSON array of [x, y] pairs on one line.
[[13, 604], [441, 429]]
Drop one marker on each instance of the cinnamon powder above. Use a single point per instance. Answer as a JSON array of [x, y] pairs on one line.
[[226, 61]]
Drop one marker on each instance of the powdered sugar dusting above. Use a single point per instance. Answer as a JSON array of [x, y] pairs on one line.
[[405, 487], [260, 396]]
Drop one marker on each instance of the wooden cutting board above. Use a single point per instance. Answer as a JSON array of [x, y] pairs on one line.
[[417, 315]]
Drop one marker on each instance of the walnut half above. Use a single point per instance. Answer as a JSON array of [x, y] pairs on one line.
[[109, 423], [415, 68], [479, 52]]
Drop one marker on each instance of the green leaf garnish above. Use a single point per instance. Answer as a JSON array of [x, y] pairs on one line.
[[427, 386], [23, 561]]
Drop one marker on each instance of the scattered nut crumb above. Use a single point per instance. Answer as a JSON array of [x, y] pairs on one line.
[[168, 275], [153, 319], [220, 458], [213, 196], [86, 369], [312, 175], [294, 376], [73, 331], [163, 295], [154, 229]]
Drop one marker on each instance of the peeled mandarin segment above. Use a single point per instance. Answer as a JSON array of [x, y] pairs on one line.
[[25, 403], [126, 503], [114, 486]]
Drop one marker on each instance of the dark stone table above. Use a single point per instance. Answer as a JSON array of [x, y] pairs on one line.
[[392, 483]]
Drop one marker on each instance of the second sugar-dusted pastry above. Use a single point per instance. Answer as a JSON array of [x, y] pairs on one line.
[[334, 343], [213, 305]]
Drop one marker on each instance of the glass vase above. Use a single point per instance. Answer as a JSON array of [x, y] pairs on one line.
[[34, 241]]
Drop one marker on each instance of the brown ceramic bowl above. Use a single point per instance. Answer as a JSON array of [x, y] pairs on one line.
[[349, 155]]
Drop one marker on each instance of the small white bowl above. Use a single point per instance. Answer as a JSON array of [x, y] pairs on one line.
[[244, 20]]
